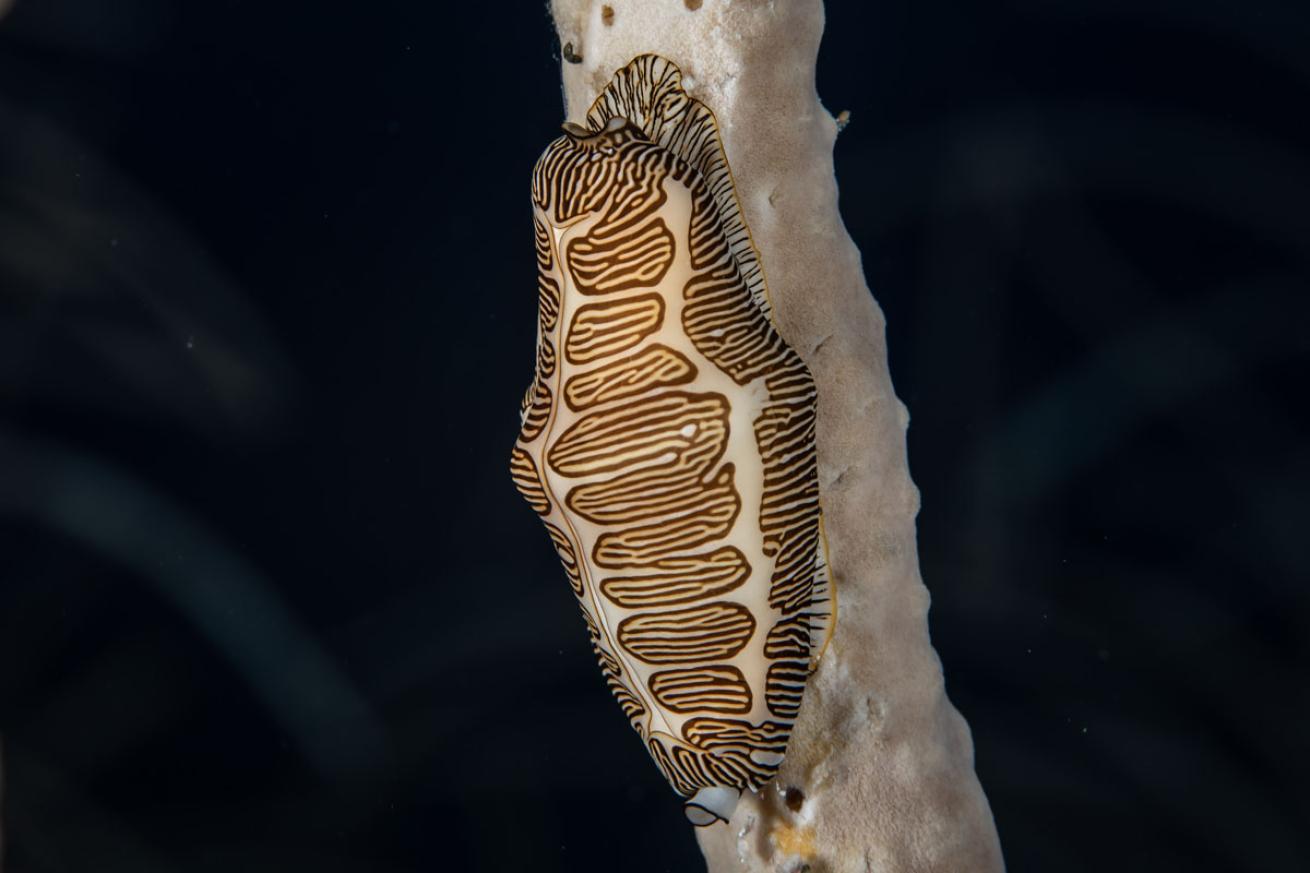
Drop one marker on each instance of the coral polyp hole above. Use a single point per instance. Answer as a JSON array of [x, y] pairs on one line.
[[693, 5], [607, 15], [794, 798]]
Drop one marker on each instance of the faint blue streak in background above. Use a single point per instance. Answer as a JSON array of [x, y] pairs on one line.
[[224, 597]]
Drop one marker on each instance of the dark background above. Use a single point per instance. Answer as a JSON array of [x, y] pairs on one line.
[[269, 602]]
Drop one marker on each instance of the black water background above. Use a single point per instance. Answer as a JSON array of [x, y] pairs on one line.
[[269, 602]]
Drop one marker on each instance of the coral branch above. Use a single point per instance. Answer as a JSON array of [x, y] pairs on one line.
[[879, 771]]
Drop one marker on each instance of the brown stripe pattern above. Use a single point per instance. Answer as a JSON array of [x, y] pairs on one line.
[[648, 93], [702, 689], [602, 330], [653, 367], [634, 257], [712, 632], [705, 596], [677, 580], [568, 556], [523, 470]]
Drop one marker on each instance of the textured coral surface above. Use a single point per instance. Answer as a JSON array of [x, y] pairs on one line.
[[879, 773]]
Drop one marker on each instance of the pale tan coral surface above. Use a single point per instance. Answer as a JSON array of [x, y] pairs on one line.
[[880, 764]]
